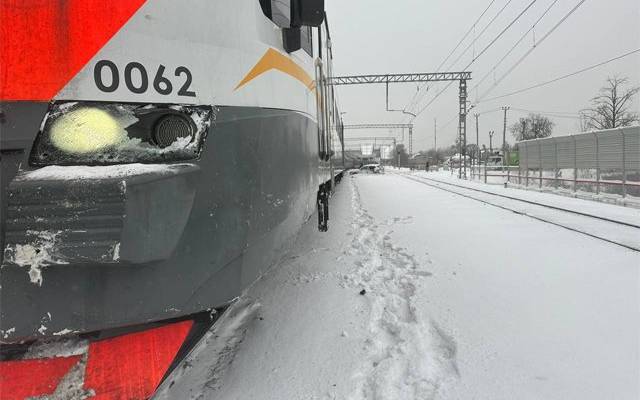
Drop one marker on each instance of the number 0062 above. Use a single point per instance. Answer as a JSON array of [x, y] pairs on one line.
[[161, 84]]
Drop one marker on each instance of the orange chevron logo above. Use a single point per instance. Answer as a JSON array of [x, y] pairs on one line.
[[273, 59]]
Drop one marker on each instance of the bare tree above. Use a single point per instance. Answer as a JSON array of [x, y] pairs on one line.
[[401, 152], [472, 150], [610, 108], [436, 156], [533, 126]]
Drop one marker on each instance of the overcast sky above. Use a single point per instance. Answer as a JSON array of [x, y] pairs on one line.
[[401, 36]]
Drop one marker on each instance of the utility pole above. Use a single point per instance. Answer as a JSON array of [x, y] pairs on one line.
[[410, 140], [395, 149], [504, 136], [435, 141], [477, 141], [462, 128], [435, 135], [491, 142]]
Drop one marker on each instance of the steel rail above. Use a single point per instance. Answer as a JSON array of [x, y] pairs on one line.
[[615, 221], [422, 181]]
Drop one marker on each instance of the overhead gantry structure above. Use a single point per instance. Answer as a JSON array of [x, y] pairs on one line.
[[409, 127], [374, 141], [396, 78], [461, 77]]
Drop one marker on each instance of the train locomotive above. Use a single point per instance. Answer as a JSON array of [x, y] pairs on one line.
[[156, 156]]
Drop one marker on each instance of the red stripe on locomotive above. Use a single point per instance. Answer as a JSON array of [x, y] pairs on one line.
[[45, 43]]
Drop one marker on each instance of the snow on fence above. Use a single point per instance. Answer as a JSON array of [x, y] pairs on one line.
[[600, 162], [607, 160]]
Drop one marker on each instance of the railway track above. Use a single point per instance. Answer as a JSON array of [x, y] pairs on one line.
[[624, 229]]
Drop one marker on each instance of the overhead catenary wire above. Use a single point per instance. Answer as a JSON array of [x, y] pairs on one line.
[[480, 34], [524, 110], [504, 30], [508, 53], [482, 52], [561, 77], [468, 47], [564, 18], [525, 55], [448, 122], [547, 113], [559, 113], [455, 117], [411, 102], [466, 34]]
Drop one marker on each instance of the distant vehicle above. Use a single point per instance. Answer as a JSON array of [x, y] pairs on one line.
[[419, 161], [494, 160], [372, 168], [455, 161]]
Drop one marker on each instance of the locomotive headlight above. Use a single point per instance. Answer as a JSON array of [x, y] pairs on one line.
[[103, 133], [86, 130]]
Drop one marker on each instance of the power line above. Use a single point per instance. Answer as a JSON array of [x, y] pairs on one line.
[[561, 77], [455, 117], [489, 111], [498, 36], [549, 113], [481, 33], [411, 102], [554, 114], [449, 122], [525, 55], [484, 50], [562, 20], [466, 34], [465, 52], [505, 29], [546, 112], [524, 35]]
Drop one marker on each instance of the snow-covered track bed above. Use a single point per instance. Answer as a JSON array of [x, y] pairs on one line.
[[614, 231]]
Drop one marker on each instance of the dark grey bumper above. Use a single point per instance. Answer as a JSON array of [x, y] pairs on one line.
[[73, 216]]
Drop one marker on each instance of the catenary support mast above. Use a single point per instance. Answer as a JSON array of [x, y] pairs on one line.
[[386, 79]]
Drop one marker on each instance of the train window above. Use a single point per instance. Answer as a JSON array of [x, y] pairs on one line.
[[306, 40], [266, 7], [278, 11]]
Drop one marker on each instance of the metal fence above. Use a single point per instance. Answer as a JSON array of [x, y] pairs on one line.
[[487, 173], [606, 161]]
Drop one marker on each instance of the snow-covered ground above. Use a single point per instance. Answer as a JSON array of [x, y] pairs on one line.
[[418, 293], [620, 225], [626, 214]]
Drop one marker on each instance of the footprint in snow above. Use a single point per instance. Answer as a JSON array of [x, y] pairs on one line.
[[405, 356]]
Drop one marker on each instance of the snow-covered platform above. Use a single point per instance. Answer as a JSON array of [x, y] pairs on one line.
[[422, 293]]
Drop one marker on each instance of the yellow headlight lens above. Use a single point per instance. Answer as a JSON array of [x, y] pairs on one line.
[[86, 130]]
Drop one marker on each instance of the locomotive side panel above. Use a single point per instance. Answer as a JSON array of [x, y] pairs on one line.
[[141, 243]]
